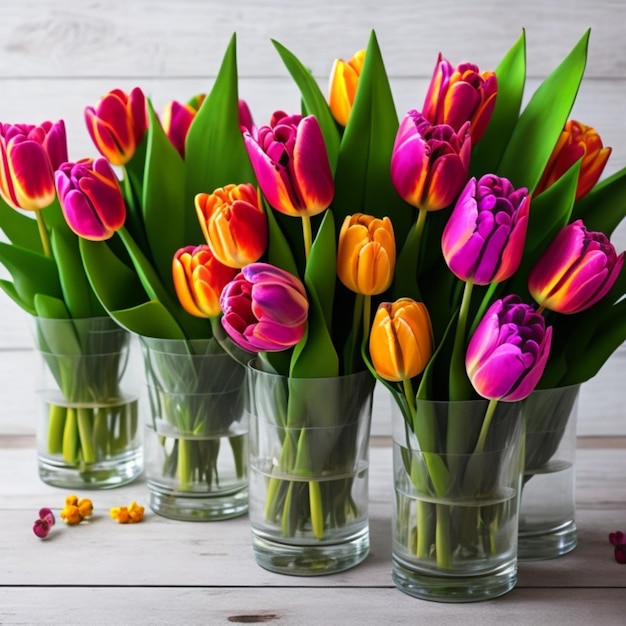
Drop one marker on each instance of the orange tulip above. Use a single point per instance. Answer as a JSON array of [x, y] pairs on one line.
[[344, 79], [401, 339], [233, 223], [366, 255], [576, 141], [199, 279]]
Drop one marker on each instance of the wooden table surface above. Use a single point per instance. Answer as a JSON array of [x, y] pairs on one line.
[[167, 572]]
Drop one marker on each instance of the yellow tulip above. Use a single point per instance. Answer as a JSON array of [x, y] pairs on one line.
[[366, 254], [401, 339], [344, 79]]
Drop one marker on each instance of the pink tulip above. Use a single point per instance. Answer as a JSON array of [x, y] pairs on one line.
[[28, 157], [291, 164], [176, 119], [265, 308], [91, 198], [577, 269], [507, 353], [483, 240], [429, 164]]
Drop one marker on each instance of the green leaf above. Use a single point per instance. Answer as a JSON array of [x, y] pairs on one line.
[[32, 272], [9, 288], [313, 100], [149, 319], [278, 250], [20, 229], [163, 204], [77, 292], [511, 76], [51, 308], [362, 178], [215, 154], [543, 119], [604, 207]]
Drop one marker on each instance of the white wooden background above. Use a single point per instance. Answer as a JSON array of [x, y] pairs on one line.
[[58, 56]]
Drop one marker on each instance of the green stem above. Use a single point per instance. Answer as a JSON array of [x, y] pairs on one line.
[[307, 234], [43, 234], [419, 230], [185, 463], [491, 409], [317, 509], [85, 432], [442, 537], [458, 377], [56, 424], [70, 437]]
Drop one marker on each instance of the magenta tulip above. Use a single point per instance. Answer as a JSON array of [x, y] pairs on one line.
[[28, 157], [246, 122], [461, 94], [176, 119], [265, 308], [507, 353], [429, 164], [291, 164], [577, 269], [91, 198], [483, 240]]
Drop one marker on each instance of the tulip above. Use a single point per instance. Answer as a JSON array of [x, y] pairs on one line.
[[344, 79], [483, 240], [246, 122], [176, 120], [577, 269], [401, 339], [429, 163], [366, 254], [29, 155], [291, 164], [459, 95], [508, 351], [117, 124], [199, 279], [265, 308], [91, 198], [233, 223], [577, 141]]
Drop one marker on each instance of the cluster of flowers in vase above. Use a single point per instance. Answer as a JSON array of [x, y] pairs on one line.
[[451, 253]]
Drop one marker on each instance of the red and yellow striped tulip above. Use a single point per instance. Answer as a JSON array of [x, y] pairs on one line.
[[233, 223], [366, 254], [117, 124], [577, 141], [28, 157], [291, 164], [344, 79], [199, 279], [401, 339]]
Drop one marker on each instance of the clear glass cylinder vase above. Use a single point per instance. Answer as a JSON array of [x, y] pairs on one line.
[[547, 521], [309, 440], [457, 477], [196, 437], [88, 434]]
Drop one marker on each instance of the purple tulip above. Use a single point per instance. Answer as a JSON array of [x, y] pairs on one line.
[[507, 353], [91, 198], [265, 308], [291, 164], [483, 240], [578, 269], [429, 163], [28, 157]]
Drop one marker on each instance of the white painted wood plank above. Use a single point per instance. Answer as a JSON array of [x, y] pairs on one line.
[[303, 607]]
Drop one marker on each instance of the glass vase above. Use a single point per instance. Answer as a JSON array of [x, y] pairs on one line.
[[87, 432], [457, 476], [309, 441], [196, 438], [547, 521]]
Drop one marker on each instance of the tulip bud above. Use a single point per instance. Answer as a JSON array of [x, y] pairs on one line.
[[265, 308], [199, 279], [117, 124], [291, 164], [176, 120], [344, 79], [575, 142], [246, 123], [401, 339], [507, 353], [459, 95], [28, 157], [577, 269], [233, 223], [91, 198], [366, 254], [484, 237], [429, 164]]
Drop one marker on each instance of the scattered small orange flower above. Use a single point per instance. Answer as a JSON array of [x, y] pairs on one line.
[[76, 509], [127, 515]]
